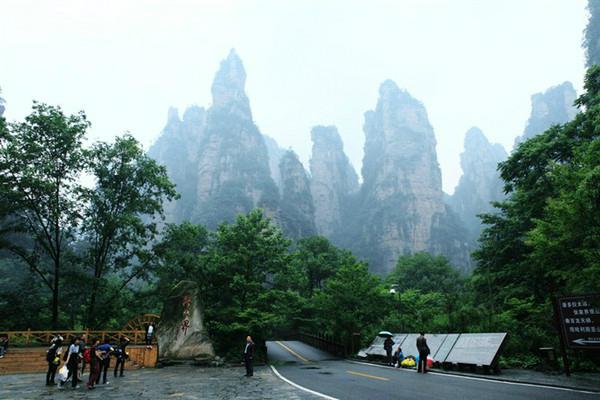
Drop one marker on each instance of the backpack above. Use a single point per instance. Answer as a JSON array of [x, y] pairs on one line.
[[51, 353], [87, 355]]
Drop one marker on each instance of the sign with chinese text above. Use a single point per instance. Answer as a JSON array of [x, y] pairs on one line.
[[580, 321]]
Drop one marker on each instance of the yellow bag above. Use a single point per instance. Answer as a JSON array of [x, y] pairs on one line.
[[408, 362]]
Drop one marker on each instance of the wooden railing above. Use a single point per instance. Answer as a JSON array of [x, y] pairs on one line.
[[30, 338]]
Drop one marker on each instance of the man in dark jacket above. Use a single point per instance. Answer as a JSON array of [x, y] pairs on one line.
[[121, 354], [423, 353], [249, 356], [53, 358], [388, 345]]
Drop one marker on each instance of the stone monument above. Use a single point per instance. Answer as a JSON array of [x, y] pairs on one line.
[[181, 332]]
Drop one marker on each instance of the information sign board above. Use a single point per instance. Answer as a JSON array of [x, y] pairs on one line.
[[476, 348], [580, 321]]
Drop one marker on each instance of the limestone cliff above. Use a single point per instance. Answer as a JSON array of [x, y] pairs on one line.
[[233, 168], [400, 208], [333, 179], [554, 106], [177, 148], [480, 183], [297, 208], [275, 154], [219, 159]]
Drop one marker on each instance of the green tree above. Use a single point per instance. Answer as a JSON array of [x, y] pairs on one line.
[[423, 279], [544, 239], [238, 297], [352, 301], [41, 161], [120, 221], [182, 255], [316, 259]]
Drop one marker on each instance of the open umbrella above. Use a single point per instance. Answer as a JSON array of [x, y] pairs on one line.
[[385, 334]]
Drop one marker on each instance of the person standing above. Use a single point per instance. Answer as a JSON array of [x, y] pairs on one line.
[[249, 356], [150, 333], [388, 345], [73, 362], [121, 354], [106, 350], [423, 353], [3, 345], [95, 360], [81, 351], [53, 358]]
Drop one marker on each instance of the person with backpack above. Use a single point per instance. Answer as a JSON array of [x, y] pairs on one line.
[[106, 350], [53, 359], [72, 362], [95, 359], [81, 352], [121, 355], [423, 353]]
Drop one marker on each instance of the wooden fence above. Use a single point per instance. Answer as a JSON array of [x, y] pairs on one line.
[[31, 338]]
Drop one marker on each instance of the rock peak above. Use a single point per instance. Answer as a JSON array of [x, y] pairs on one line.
[[475, 138], [229, 83], [326, 134], [553, 106], [173, 115]]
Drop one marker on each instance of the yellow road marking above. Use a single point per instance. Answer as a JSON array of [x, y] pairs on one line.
[[368, 376], [292, 352]]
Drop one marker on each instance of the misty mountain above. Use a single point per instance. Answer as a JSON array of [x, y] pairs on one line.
[[219, 161], [223, 165], [400, 208], [333, 180], [554, 106], [480, 183]]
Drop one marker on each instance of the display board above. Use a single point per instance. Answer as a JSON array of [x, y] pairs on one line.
[[445, 347], [376, 347], [476, 348], [434, 341], [580, 321]]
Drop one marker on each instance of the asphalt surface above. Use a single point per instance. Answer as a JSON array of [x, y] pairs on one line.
[[341, 379]]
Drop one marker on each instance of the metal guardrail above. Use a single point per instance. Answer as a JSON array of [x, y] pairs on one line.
[[324, 342], [31, 338]]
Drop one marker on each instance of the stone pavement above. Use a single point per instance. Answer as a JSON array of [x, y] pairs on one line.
[[175, 382]]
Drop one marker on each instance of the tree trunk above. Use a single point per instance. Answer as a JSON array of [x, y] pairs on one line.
[[55, 294], [92, 308]]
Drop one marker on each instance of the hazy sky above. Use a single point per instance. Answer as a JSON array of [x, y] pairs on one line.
[[308, 62]]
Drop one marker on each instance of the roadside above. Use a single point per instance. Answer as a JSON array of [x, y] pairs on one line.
[[585, 381], [181, 382]]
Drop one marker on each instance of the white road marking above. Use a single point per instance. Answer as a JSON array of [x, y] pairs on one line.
[[474, 378], [321, 395]]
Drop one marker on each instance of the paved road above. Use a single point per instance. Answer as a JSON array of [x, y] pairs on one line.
[[342, 379]]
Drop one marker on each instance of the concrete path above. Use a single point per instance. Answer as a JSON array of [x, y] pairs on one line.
[[176, 382]]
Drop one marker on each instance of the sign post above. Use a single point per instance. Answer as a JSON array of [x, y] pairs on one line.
[[579, 322]]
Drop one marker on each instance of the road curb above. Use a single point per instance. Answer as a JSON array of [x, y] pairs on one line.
[[492, 379], [321, 395]]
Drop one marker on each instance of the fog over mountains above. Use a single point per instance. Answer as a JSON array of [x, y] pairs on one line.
[[223, 165]]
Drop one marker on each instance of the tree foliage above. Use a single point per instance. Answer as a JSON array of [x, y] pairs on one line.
[[41, 160], [544, 239]]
